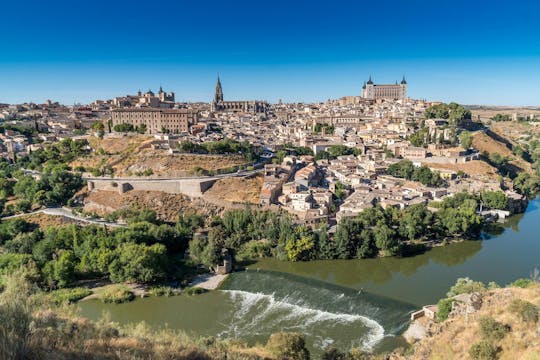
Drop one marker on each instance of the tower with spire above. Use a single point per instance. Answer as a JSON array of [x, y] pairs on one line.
[[218, 96]]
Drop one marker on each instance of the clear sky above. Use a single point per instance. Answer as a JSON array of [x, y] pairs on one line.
[[472, 52]]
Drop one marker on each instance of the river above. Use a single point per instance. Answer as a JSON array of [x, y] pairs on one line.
[[361, 303]]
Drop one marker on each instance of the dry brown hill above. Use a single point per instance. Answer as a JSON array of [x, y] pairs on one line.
[[453, 338], [133, 155], [486, 143]]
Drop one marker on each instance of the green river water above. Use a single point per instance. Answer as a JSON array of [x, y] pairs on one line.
[[361, 303]]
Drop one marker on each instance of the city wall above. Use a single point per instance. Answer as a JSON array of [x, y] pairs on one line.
[[189, 187]]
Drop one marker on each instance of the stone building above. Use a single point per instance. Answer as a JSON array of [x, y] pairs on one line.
[[156, 120], [148, 99], [385, 91], [248, 106]]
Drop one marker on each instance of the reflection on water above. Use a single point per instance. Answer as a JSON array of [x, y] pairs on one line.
[[374, 273]]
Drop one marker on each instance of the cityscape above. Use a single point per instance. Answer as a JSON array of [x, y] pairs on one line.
[[248, 218]]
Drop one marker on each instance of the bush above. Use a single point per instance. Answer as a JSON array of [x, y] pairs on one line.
[[162, 291], [193, 290], [492, 329], [117, 294], [445, 306], [70, 295], [465, 286], [288, 346], [483, 350], [521, 283], [526, 311], [16, 310]]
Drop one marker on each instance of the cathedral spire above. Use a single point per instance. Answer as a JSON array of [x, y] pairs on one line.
[[218, 97]]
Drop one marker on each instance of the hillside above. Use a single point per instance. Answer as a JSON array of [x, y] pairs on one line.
[[486, 143], [236, 190], [166, 206], [134, 156], [511, 336]]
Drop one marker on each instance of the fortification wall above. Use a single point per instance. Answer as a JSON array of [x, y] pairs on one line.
[[189, 187]]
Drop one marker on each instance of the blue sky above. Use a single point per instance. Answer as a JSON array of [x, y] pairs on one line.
[[472, 52]]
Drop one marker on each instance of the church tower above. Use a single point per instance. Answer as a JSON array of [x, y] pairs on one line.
[[218, 97]]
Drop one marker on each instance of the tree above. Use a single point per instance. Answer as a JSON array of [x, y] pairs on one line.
[[385, 238], [60, 272], [415, 221], [141, 129], [125, 128], [465, 139], [138, 262], [302, 248], [494, 200], [99, 128]]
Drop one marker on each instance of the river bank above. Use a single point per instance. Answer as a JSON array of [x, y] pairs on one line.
[[324, 298]]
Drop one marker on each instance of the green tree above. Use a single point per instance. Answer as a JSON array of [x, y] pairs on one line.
[[302, 248], [385, 238], [138, 262], [465, 139], [60, 272]]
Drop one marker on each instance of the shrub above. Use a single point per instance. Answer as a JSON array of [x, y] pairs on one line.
[[492, 329], [15, 316], [117, 294], [521, 283], [193, 290], [445, 306], [482, 350], [288, 346], [162, 291], [70, 295], [526, 311], [465, 286]]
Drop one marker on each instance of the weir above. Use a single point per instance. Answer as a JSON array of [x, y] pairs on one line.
[[267, 300]]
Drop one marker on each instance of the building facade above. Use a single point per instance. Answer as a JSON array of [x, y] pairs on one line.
[[248, 106], [385, 91], [174, 121], [148, 99]]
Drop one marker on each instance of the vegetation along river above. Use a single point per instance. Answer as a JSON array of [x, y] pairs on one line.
[[362, 303]]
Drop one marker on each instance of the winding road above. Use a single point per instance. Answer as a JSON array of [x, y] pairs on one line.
[[59, 211]]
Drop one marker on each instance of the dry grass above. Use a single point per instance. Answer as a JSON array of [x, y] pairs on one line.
[[237, 190], [167, 206], [471, 168], [129, 155], [44, 220], [457, 334], [32, 328], [483, 142]]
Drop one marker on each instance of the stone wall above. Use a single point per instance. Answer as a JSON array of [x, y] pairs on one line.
[[189, 187]]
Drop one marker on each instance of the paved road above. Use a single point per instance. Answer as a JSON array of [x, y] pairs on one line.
[[66, 213]]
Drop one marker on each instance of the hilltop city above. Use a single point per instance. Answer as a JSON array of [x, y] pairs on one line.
[[322, 162], [143, 195]]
